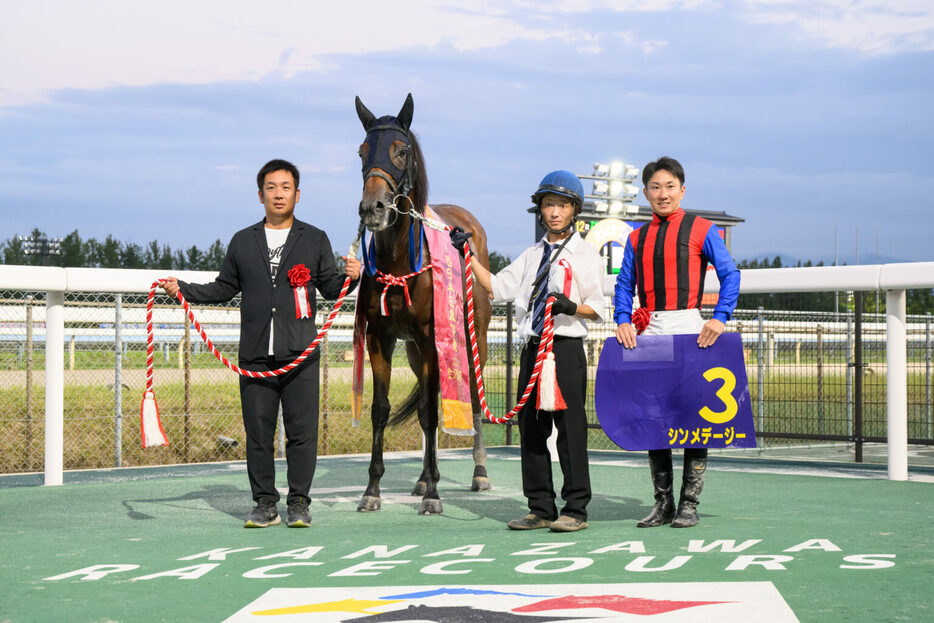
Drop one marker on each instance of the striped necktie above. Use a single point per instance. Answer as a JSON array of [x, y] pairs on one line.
[[541, 277]]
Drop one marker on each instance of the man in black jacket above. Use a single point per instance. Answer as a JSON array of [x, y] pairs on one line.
[[276, 265]]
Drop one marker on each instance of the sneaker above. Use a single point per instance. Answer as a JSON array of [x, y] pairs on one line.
[[529, 522], [263, 516], [299, 517], [566, 523]]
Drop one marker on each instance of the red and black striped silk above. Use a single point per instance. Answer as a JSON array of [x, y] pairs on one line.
[[669, 260]]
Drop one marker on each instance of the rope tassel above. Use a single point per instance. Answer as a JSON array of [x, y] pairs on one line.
[[150, 424], [549, 394]]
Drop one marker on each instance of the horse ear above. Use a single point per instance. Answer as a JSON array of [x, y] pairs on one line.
[[366, 117], [405, 115]]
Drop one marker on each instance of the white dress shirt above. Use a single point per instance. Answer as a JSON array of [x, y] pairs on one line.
[[514, 283]]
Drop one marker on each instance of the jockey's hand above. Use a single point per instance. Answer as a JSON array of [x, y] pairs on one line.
[[459, 237], [170, 285], [709, 334], [351, 267], [563, 305], [626, 335]]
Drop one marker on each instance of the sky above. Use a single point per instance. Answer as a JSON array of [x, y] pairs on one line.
[[148, 121]]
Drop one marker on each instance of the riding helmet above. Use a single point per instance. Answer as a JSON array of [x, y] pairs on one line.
[[562, 183]]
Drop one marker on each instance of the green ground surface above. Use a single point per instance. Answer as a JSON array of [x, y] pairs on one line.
[[162, 522]]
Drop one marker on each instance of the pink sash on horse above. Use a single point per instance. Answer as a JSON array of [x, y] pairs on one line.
[[453, 361]]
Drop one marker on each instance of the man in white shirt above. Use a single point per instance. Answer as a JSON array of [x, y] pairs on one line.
[[560, 262]]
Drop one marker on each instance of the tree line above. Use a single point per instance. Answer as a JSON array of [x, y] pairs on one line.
[[917, 301], [113, 253]]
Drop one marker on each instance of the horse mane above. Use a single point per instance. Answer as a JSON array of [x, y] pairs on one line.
[[420, 183]]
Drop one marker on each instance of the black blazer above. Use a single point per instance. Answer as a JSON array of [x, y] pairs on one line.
[[246, 270]]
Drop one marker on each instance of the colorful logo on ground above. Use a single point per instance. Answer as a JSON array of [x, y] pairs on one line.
[[669, 393], [724, 602]]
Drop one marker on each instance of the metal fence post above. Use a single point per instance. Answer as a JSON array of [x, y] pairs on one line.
[[54, 387], [508, 400], [760, 366], [896, 380], [849, 375], [858, 376], [187, 360], [118, 380], [927, 374], [820, 378], [29, 363], [324, 394]]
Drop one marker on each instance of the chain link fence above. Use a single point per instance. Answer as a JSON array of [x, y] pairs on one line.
[[804, 380]]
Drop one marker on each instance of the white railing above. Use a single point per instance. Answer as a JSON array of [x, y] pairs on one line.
[[893, 278]]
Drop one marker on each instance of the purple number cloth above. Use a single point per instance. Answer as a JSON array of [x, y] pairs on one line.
[[669, 393]]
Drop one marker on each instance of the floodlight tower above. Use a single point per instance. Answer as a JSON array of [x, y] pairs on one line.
[[613, 189], [41, 246]]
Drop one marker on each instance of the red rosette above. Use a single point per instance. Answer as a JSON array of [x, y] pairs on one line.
[[299, 275], [640, 319]]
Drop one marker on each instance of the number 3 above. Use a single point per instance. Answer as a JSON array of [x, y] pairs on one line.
[[724, 393]]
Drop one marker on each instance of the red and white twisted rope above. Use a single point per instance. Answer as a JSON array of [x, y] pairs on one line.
[[391, 280], [544, 347], [220, 357]]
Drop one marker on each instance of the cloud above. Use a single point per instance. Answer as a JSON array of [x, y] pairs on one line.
[[103, 43], [869, 26]]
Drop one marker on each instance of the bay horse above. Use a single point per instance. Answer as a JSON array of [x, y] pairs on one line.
[[394, 182]]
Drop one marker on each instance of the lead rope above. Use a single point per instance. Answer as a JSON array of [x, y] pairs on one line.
[[150, 425], [151, 429], [544, 346]]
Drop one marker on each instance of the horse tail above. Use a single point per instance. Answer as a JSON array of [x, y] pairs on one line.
[[407, 409]]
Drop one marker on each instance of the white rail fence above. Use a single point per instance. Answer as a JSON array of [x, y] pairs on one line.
[[894, 279]]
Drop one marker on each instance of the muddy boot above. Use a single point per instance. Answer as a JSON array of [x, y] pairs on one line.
[[691, 487], [664, 509]]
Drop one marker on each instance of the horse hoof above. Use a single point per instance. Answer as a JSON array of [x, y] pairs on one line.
[[420, 488], [369, 503], [480, 483], [430, 507]]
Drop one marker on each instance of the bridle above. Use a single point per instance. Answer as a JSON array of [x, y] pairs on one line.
[[379, 163]]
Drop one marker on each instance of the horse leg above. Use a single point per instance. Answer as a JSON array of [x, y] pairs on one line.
[[380, 350], [428, 388], [415, 362]]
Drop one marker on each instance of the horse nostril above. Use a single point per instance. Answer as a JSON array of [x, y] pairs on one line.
[[380, 206]]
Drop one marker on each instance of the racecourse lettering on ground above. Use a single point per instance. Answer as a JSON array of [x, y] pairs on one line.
[[549, 559]]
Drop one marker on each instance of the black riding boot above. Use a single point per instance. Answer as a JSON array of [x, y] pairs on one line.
[[695, 464], [664, 509]]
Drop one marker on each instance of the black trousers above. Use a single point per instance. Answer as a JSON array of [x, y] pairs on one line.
[[297, 391], [571, 423]]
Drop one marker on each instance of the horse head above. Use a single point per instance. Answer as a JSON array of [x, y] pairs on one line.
[[393, 169]]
